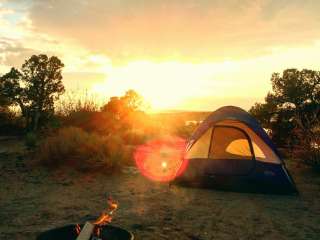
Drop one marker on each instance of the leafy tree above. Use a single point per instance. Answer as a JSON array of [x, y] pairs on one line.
[[294, 93], [125, 112], [122, 106], [34, 88], [3, 102]]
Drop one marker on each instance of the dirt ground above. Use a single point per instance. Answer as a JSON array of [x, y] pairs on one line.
[[33, 200]]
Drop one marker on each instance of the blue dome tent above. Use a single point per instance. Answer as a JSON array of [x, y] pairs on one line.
[[230, 150]]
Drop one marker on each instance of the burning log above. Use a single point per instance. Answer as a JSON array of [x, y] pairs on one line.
[[90, 229], [86, 231]]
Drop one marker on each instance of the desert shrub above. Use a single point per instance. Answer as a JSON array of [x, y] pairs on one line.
[[80, 111], [309, 151], [76, 101], [312, 158], [134, 137], [10, 122], [81, 150], [308, 135], [80, 119], [30, 140], [185, 130]]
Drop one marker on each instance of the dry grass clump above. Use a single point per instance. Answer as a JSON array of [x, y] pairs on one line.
[[81, 150]]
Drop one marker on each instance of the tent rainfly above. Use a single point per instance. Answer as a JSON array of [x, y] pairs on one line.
[[230, 150]]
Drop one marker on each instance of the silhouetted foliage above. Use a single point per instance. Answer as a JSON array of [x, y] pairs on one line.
[[121, 116], [125, 111], [120, 107], [34, 88], [308, 133], [8, 122], [294, 93], [80, 112]]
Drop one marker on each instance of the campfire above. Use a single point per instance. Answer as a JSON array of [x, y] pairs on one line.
[[99, 229], [92, 230]]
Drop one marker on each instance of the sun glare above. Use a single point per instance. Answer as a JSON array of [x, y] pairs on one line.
[[165, 85]]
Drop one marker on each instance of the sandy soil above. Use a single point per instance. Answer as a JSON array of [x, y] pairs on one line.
[[34, 200]]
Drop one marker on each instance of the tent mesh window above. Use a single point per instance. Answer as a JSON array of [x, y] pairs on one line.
[[229, 143], [261, 151]]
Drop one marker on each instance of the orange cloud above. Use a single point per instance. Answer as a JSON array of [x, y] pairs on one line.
[[186, 30]]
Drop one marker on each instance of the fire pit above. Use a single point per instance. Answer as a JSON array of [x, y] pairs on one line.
[[69, 232], [94, 230]]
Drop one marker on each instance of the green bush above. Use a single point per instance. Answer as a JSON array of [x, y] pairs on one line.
[[81, 150]]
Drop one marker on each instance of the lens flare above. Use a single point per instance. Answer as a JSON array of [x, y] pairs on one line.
[[161, 159], [164, 164]]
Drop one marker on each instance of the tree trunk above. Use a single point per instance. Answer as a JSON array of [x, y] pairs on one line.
[[25, 114], [36, 118]]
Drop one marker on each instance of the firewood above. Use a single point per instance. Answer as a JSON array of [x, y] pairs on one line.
[[86, 231]]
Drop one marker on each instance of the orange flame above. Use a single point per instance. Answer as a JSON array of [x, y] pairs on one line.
[[104, 218]]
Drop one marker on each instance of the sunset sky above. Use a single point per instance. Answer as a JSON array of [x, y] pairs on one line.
[[182, 55]]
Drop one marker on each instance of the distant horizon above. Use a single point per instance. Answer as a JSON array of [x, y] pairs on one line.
[[244, 103]]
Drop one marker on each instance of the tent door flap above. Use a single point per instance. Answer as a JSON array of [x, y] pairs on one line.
[[230, 152]]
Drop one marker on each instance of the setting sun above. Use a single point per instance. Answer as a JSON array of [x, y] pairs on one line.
[[164, 85], [173, 84]]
